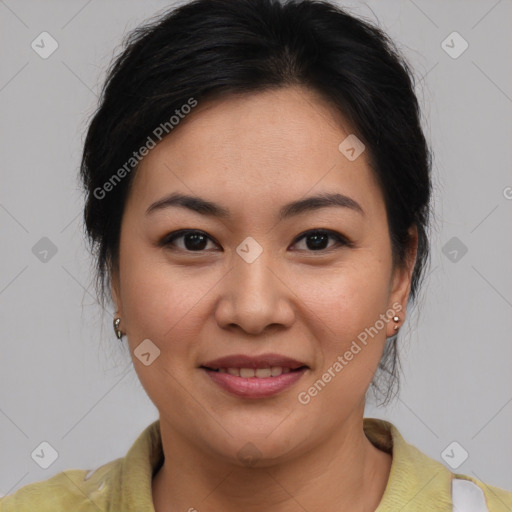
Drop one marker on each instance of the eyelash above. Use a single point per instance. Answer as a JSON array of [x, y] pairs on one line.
[[340, 239]]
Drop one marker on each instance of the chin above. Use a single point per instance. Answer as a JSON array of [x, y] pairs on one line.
[[254, 449]]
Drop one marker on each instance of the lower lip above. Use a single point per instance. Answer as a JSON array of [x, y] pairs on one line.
[[254, 387]]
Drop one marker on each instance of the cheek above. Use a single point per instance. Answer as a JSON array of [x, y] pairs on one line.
[[161, 302], [347, 299], [345, 307]]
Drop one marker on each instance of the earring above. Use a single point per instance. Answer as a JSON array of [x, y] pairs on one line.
[[396, 319], [118, 332]]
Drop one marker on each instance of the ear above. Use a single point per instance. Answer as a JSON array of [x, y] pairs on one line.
[[400, 286], [115, 289]]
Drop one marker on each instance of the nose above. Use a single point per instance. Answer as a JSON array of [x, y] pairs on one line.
[[255, 297]]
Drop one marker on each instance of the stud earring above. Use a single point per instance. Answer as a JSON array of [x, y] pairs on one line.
[[396, 319], [118, 332]]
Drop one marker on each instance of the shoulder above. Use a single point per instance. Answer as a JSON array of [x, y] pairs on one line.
[[467, 489], [112, 486], [75, 489], [418, 480]]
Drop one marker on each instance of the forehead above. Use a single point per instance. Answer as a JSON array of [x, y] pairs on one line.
[[268, 146]]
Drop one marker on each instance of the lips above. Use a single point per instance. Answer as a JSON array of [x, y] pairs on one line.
[[254, 362], [254, 377]]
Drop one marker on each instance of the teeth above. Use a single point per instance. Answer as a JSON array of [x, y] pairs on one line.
[[263, 373], [275, 371], [260, 373]]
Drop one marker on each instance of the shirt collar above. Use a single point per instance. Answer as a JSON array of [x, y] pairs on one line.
[[416, 481]]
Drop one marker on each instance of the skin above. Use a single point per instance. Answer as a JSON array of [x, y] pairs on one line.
[[253, 154]]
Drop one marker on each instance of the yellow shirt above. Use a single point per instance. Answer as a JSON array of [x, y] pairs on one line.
[[416, 482]]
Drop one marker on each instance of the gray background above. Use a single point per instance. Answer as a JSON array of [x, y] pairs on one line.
[[65, 379]]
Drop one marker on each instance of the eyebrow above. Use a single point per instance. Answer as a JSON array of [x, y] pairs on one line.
[[211, 209]]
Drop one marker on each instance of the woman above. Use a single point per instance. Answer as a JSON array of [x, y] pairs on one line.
[[232, 138]]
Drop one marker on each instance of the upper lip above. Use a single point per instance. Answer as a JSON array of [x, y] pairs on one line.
[[261, 361]]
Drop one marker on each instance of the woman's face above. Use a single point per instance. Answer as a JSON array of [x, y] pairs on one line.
[[250, 283]]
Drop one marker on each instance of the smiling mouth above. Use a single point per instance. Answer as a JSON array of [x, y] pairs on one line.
[[260, 373]]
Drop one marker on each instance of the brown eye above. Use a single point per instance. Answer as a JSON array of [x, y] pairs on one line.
[[318, 239], [196, 241], [193, 240]]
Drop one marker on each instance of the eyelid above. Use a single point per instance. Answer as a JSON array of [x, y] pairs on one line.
[[170, 237], [341, 240]]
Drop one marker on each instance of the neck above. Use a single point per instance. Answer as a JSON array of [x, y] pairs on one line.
[[346, 473]]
